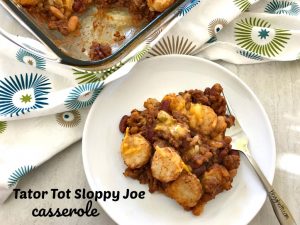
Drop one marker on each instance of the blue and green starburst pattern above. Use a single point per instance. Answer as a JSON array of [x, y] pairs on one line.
[[183, 10], [212, 40], [85, 76], [18, 174], [22, 93], [257, 36], [3, 126], [283, 7], [263, 33], [243, 5], [30, 59], [215, 26], [68, 119], [174, 45], [250, 55], [84, 95], [26, 98]]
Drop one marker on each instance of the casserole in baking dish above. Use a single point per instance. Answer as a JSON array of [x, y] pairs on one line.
[[95, 33]]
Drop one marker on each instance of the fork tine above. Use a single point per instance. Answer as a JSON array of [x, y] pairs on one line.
[[231, 112], [228, 106]]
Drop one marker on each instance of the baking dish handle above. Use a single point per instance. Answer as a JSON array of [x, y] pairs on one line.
[[30, 45]]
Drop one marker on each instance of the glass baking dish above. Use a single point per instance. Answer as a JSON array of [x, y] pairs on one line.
[[69, 50]]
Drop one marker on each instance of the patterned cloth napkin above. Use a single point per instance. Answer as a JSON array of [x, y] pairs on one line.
[[43, 105]]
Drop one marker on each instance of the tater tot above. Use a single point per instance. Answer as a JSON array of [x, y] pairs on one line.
[[202, 118], [186, 190], [219, 131], [159, 5], [135, 150], [177, 102], [166, 164]]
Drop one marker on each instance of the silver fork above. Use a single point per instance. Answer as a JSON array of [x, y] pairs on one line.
[[240, 143]]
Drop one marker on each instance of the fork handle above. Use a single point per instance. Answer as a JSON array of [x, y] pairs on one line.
[[281, 210]]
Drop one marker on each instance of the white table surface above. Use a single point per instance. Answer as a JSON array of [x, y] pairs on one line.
[[276, 84]]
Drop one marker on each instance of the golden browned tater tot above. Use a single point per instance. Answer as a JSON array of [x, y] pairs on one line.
[[166, 164], [135, 150], [186, 190]]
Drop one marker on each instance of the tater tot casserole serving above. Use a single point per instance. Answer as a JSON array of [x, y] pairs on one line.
[[177, 146]]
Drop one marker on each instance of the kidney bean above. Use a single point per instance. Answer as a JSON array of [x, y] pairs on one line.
[[234, 152], [123, 124], [222, 154], [227, 139], [148, 133], [229, 120], [200, 170], [217, 87], [165, 105]]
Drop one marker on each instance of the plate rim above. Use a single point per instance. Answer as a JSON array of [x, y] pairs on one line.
[[88, 174]]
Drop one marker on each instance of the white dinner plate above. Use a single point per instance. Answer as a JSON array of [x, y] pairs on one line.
[[154, 78]]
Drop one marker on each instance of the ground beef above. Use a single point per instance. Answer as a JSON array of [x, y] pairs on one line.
[[144, 176], [79, 5], [61, 25], [231, 162], [118, 37], [99, 51]]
